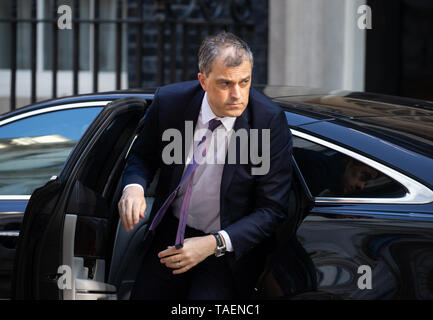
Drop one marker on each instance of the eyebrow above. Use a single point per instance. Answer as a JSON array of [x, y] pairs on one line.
[[227, 80]]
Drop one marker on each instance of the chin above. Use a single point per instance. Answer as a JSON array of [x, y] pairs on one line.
[[233, 112]]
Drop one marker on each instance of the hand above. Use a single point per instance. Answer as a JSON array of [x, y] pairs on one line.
[[132, 206], [194, 251]]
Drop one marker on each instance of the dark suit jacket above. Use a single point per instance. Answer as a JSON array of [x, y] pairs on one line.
[[251, 206]]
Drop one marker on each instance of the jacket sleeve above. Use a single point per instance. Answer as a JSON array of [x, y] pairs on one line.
[[271, 193], [144, 160]]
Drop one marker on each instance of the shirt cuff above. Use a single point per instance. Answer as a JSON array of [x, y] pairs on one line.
[[133, 184], [226, 237]]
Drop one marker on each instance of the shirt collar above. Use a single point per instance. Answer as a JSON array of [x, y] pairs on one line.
[[207, 115]]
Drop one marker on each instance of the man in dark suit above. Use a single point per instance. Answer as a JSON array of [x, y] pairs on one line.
[[232, 210]]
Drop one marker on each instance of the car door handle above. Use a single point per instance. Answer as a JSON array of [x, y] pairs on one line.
[[10, 233], [87, 285]]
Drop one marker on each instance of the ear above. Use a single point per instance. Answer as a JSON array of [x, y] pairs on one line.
[[202, 78]]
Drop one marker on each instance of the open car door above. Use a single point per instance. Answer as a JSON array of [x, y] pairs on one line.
[[70, 244]]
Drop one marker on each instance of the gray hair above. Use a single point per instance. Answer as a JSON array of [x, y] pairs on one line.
[[212, 46]]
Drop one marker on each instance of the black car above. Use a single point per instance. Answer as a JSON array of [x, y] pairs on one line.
[[361, 206]]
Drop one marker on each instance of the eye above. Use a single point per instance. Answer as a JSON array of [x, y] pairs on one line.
[[245, 82]]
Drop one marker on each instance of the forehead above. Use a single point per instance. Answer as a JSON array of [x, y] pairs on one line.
[[220, 69]]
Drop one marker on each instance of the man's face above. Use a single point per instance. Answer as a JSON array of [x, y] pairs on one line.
[[356, 176], [227, 88]]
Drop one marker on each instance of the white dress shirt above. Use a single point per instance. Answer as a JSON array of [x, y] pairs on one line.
[[204, 207]]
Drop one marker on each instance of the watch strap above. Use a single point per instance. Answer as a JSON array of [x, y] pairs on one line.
[[220, 242], [221, 248]]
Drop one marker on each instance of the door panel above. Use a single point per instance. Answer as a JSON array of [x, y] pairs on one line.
[[34, 148], [289, 270], [359, 249], [82, 192], [35, 241], [10, 223], [398, 250], [85, 283]]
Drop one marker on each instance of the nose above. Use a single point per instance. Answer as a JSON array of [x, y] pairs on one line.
[[360, 185], [235, 92]]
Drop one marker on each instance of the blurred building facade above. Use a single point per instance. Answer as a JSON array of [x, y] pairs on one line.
[[121, 44], [115, 44], [319, 43]]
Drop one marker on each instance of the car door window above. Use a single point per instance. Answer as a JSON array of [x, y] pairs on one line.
[[329, 173], [33, 149]]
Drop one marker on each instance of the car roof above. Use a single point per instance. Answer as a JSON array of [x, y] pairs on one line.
[[355, 105], [103, 96], [403, 121]]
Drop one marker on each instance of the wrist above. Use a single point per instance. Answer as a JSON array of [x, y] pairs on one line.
[[212, 244], [223, 239]]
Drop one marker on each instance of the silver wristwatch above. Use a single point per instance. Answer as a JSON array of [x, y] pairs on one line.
[[221, 247]]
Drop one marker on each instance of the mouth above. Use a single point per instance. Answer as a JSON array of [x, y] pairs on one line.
[[234, 104]]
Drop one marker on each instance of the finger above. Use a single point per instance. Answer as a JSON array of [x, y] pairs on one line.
[[122, 213], [128, 204], [168, 252], [174, 265], [173, 261], [135, 212], [143, 209], [120, 209], [182, 270]]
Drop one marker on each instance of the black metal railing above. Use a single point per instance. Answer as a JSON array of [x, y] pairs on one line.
[[175, 23]]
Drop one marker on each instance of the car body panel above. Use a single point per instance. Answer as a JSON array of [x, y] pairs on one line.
[[398, 249], [12, 205], [346, 104], [413, 133], [105, 96]]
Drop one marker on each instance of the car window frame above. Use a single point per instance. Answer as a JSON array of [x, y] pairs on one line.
[[417, 193], [44, 110]]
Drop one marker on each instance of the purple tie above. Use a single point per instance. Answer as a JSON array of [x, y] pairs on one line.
[[189, 177]]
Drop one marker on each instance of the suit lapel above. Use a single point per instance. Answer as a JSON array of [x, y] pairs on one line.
[[192, 112]]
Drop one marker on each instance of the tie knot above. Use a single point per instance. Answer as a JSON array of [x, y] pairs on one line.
[[213, 124]]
